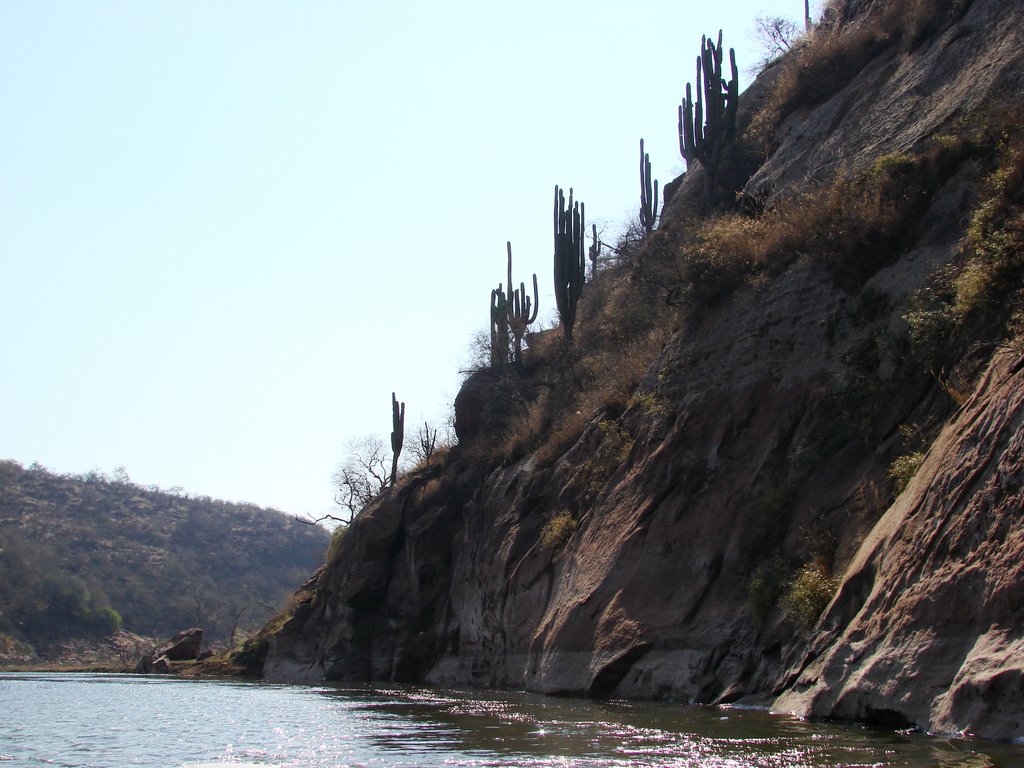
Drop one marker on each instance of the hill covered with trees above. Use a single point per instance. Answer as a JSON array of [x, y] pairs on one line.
[[82, 555]]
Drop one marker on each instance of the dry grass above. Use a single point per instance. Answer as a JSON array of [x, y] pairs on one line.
[[980, 298], [853, 227], [621, 328], [840, 48], [990, 282]]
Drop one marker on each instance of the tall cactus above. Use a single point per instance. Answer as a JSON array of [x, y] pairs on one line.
[[707, 126], [594, 251], [521, 311], [570, 266], [397, 434], [648, 197], [499, 328]]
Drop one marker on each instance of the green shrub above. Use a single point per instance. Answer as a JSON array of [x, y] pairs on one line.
[[558, 530], [981, 299], [853, 227], [807, 594], [990, 283], [335, 547], [612, 453], [651, 404], [766, 585], [105, 621], [904, 467], [931, 322]]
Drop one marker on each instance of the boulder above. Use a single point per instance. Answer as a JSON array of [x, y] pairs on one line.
[[153, 664], [184, 646]]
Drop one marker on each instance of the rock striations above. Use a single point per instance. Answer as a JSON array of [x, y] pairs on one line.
[[927, 627], [760, 438]]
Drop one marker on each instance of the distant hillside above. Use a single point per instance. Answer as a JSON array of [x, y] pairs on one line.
[[79, 552]]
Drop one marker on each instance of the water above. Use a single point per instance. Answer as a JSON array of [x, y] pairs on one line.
[[109, 721]]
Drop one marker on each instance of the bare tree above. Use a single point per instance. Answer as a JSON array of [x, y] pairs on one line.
[[359, 479], [425, 443], [776, 36], [235, 612]]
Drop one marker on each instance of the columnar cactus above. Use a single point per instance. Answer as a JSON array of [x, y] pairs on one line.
[[521, 311], [648, 197], [397, 434], [595, 250], [570, 267], [499, 328], [705, 128]]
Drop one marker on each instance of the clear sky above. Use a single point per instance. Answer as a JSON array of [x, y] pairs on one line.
[[230, 228]]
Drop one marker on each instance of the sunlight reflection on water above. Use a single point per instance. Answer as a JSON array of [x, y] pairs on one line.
[[109, 721]]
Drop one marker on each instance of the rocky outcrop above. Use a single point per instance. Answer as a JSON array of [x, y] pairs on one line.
[[184, 646], [900, 99], [763, 431], [927, 626]]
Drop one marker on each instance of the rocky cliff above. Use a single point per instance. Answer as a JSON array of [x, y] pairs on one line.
[[926, 628], [659, 551]]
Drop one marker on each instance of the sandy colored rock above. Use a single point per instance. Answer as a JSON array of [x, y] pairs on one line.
[[936, 590]]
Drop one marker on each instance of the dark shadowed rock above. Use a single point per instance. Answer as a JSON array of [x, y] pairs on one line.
[[184, 646], [762, 433]]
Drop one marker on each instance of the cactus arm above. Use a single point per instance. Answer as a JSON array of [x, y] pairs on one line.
[[707, 126], [397, 434], [648, 194], [570, 260], [508, 247], [512, 313], [536, 302]]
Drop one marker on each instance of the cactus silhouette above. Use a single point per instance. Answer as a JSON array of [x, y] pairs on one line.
[[648, 197], [521, 310], [397, 434], [570, 267], [499, 328], [707, 126], [511, 314]]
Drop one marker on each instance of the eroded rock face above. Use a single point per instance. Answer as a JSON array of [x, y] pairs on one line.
[[766, 426], [900, 99], [739, 443], [936, 592]]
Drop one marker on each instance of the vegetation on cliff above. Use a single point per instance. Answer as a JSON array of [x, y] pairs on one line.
[[665, 501]]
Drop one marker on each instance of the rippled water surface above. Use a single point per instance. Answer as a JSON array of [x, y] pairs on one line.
[[113, 720]]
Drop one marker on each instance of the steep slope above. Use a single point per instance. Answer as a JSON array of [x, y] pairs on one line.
[[648, 557], [927, 626], [71, 546]]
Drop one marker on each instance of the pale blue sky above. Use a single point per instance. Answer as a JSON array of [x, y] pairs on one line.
[[228, 230]]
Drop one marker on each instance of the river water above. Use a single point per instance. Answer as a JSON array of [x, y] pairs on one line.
[[109, 721]]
